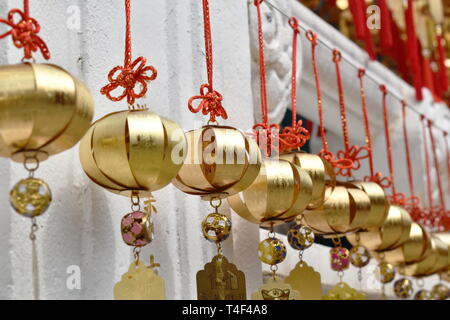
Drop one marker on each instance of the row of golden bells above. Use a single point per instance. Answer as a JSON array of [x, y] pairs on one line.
[[44, 111]]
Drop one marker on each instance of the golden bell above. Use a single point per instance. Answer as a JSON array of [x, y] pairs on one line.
[[43, 111], [221, 161], [412, 250], [436, 259], [132, 152], [345, 209], [394, 231], [320, 171], [279, 193]]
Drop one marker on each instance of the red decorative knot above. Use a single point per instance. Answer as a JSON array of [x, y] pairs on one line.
[[400, 199], [127, 78], [292, 138], [268, 135], [355, 154], [384, 182], [211, 103], [340, 162], [24, 34]]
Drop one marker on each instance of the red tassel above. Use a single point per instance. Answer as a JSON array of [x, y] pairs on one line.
[[427, 75], [386, 38], [413, 50], [441, 62], [398, 53], [358, 9]]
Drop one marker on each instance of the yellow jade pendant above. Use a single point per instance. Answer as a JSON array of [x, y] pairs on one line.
[[276, 289], [306, 281], [140, 283], [343, 291]]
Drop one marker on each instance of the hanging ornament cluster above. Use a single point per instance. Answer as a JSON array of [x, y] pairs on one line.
[[131, 153]]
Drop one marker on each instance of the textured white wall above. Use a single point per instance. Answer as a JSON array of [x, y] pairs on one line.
[[82, 225]]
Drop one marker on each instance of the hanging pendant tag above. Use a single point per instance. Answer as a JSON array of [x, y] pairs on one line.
[[276, 289], [140, 283], [306, 281], [221, 280], [343, 291]]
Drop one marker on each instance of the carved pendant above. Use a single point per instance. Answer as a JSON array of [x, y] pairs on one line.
[[343, 291], [221, 280], [306, 281], [140, 283], [276, 289]]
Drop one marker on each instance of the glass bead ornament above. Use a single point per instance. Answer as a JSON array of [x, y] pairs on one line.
[[137, 229], [440, 292], [359, 256], [385, 272], [272, 251], [216, 227], [423, 295], [403, 288], [340, 258], [30, 197], [300, 237]]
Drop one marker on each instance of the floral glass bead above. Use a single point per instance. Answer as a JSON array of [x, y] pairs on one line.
[[272, 251], [300, 237], [137, 230], [340, 258], [216, 227]]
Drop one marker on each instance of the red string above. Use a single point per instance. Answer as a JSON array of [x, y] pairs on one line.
[[25, 32], [266, 134], [211, 100], [325, 153], [413, 202], [429, 217], [377, 177], [436, 166], [295, 136], [131, 73], [352, 153]]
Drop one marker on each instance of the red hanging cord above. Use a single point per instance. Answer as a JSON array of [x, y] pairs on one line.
[[211, 100], [442, 207], [413, 50], [325, 153], [24, 33], [295, 136], [429, 216], [131, 73], [413, 202], [395, 198], [377, 177], [266, 134], [352, 153]]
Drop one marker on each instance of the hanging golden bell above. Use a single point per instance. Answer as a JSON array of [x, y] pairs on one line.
[[436, 259], [345, 209], [412, 250], [43, 111], [221, 161], [394, 231], [132, 152], [280, 192], [320, 171]]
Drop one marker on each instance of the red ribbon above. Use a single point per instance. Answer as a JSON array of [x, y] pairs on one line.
[[24, 34], [127, 78], [211, 103]]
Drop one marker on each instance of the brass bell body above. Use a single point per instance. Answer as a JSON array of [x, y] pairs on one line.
[[394, 232], [43, 111], [320, 171], [279, 193], [221, 161], [345, 209], [132, 152]]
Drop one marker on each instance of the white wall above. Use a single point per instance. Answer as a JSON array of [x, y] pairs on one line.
[[82, 225]]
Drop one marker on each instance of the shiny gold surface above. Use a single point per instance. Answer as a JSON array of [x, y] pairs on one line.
[[132, 152], [275, 289], [221, 280], [394, 231], [379, 205], [216, 227], [343, 291], [30, 197], [280, 192], [221, 161], [412, 250], [319, 170], [140, 283], [42, 108], [306, 281]]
